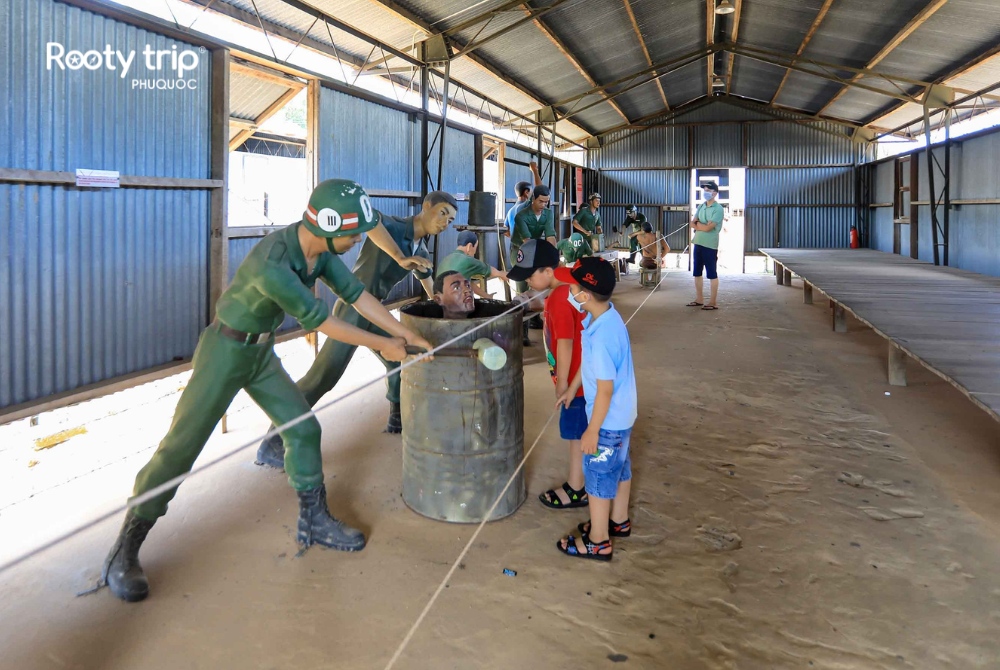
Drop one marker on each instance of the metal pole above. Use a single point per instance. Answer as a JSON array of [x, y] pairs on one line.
[[930, 185], [425, 175], [444, 129], [947, 184]]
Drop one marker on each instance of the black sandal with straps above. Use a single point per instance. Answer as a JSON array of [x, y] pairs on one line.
[[623, 529], [592, 550], [577, 498]]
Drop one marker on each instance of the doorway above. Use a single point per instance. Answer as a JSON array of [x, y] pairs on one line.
[[732, 197]]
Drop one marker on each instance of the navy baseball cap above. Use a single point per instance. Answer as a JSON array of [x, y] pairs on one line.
[[467, 237], [532, 255]]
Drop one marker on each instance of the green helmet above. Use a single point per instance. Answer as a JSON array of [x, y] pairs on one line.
[[339, 208], [576, 239]]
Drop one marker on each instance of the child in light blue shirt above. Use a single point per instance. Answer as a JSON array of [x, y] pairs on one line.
[[608, 381]]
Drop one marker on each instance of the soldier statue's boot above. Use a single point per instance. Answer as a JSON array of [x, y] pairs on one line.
[[395, 423], [122, 572], [316, 526], [271, 453]]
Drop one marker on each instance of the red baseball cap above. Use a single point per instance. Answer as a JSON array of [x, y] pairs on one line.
[[591, 273]]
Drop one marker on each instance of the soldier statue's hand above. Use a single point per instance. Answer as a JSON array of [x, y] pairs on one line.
[[394, 349], [415, 263]]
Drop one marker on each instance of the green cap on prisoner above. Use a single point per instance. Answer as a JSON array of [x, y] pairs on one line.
[[340, 208]]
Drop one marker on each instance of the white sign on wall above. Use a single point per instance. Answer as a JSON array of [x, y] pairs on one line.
[[97, 178]]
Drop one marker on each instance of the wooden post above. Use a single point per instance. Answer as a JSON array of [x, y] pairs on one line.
[[897, 366], [218, 169], [788, 277], [779, 273], [839, 318], [807, 293]]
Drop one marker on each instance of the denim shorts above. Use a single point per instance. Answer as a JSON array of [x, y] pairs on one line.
[[573, 421], [611, 465]]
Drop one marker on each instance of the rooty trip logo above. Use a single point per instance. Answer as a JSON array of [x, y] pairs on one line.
[[172, 62]]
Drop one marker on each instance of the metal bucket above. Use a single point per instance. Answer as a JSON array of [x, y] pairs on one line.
[[463, 424]]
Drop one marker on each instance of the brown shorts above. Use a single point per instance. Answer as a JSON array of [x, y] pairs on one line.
[[648, 263]]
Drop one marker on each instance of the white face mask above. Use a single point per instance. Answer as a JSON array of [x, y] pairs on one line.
[[710, 196], [578, 306]]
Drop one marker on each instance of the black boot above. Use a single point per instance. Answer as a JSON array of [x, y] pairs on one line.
[[395, 423], [316, 526], [271, 453], [527, 340], [535, 322], [122, 572]]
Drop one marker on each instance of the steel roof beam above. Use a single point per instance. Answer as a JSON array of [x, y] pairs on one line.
[[573, 111], [805, 42], [850, 83], [697, 54], [564, 50], [990, 53], [922, 16], [733, 39], [690, 106], [423, 25], [709, 42], [645, 51], [533, 14]]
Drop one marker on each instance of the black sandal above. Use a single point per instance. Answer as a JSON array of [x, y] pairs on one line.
[[577, 498], [623, 529], [593, 549]]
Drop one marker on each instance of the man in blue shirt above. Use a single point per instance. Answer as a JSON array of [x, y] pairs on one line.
[[608, 380]]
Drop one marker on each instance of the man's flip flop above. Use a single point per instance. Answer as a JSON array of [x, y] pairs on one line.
[[576, 498], [709, 308], [694, 304]]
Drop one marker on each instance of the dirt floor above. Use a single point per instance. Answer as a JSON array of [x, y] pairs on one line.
[[787, 513]]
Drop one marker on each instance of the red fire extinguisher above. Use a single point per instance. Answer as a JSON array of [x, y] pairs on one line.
[[855, 240]]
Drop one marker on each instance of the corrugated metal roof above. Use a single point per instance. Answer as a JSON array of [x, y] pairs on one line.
[[249, 95], [524, 69]]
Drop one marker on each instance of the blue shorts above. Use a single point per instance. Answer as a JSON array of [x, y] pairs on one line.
[[573, 421], [706, 259], [611, 465]]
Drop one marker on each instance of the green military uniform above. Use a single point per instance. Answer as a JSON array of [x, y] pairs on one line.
[[630, 227], [574, 248], [465, 265], [590, 221], [273, 280], [378, 273], [529, 227]]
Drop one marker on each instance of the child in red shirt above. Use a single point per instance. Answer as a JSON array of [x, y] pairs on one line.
[[536, 263]]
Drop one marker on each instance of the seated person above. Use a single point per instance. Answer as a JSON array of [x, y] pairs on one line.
[[463, 260], [652, 244], [574, 248], [453, 293]]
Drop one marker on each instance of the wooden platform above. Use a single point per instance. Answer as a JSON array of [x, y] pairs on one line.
[[946, 319]]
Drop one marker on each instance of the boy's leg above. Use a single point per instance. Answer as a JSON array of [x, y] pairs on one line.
[[619, 509], [572, 424]]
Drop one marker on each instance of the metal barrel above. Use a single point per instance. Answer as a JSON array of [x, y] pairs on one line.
[[463, 424]]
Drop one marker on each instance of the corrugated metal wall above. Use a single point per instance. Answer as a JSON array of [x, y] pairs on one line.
[[974, 242], [788, 164], [882, 226], [96, 283], [379, 147]]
